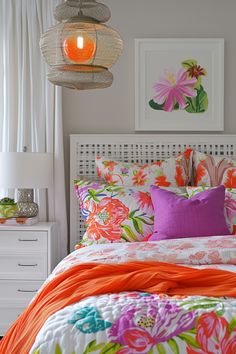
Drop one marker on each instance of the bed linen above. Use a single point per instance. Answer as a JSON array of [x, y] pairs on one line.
[[210, 170], [131, 322], [174, 171]]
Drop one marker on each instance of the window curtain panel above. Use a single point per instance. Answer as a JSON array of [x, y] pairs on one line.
[[30, 106]]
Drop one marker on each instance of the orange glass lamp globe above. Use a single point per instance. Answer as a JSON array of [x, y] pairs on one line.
[[79, 49]]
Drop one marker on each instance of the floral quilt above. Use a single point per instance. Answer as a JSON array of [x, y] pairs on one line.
[[136, 322]]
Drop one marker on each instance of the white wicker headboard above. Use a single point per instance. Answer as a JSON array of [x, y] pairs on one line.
[[141, 148]]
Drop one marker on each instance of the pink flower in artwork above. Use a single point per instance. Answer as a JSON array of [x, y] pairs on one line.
[[174, 89]]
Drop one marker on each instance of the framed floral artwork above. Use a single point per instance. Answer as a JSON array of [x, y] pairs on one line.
[[179, 84]]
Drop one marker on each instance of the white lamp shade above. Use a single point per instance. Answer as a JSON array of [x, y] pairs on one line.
[[26, 170]]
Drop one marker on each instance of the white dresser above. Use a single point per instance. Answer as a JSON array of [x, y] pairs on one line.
[[28, 254]]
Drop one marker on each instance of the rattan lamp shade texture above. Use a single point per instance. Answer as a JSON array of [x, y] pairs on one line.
[[91, 8], [79, 71], [81, 49]]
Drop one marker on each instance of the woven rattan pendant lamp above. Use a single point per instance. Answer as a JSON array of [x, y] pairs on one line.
[[81, 49]]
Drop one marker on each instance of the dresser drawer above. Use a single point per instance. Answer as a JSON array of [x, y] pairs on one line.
[[7, 316], [23, 266], [18, 292], [23, 241]]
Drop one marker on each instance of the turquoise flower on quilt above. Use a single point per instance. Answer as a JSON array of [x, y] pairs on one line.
[[89, 320]]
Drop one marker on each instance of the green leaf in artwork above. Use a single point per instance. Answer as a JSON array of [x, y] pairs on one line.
[[202, 306], [187, 338], [192, 331], [203, 100], [114, 188], [138, 225], [191, 105], [145, 221], [173, 345], [187, 64], [220, 312], [198, 83], [125, 238], [200, 301], [93, 346], [37, 351], [132, 213], [93, 194], [160, 107], [58, 349], [155, 105], [129, 232], [198, 104], [232, 324], [205, 303], [110, 348], [160, 349]]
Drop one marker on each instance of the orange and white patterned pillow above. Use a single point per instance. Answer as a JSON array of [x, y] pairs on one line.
[[116, 213], [212, 171], [172, 172]]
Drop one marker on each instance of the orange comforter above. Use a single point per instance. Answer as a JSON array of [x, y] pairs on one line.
[[91, 279]]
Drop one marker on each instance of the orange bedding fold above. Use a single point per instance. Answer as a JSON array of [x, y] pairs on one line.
[[91, 279]]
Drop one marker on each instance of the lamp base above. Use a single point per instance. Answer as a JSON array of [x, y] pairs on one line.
[[25, 203]]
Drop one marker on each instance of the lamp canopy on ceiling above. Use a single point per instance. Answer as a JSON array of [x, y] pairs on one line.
[[81, 49]]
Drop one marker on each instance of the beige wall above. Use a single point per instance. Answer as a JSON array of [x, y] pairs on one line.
[[112, 110]]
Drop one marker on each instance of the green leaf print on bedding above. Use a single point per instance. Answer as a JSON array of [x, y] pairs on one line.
[[93, 346], [104, 348], [205, 303]]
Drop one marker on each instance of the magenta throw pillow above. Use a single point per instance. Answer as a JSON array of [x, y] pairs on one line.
[[179, 217]]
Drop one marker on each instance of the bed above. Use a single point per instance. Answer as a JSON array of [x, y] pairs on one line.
[[135, 297], [140, 148]]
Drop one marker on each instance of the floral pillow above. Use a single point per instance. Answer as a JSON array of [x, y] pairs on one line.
[[230, 204], [115, 213], [175, 171], [211, 170]]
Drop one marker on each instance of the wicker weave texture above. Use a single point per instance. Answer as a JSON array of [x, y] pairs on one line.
[[108, 43], [91, 8]]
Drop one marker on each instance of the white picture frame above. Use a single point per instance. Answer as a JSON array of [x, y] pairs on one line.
[[167, 69]]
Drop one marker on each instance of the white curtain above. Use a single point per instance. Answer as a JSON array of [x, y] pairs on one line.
[[31, 107]]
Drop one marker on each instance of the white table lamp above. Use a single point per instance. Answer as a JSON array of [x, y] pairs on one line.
[[26, 171]]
